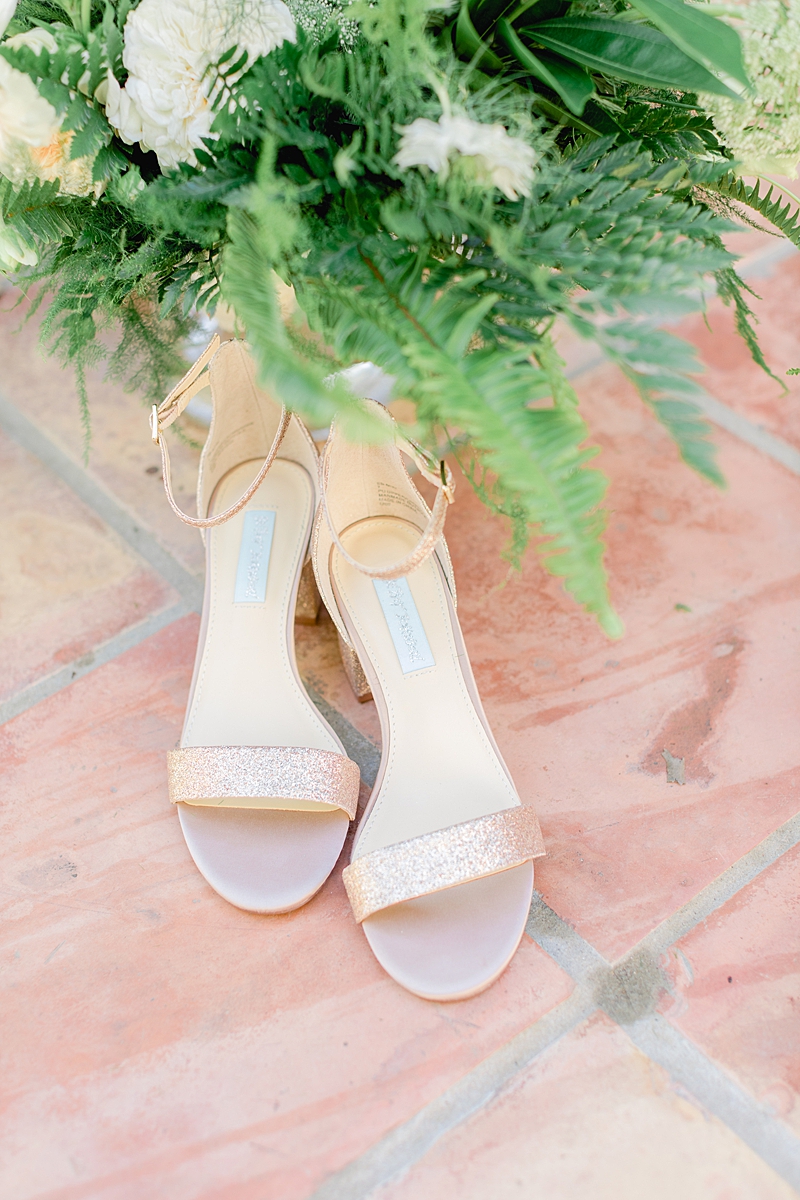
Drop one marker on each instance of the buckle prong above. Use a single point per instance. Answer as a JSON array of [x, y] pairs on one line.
[[447, 481], [154, 432]]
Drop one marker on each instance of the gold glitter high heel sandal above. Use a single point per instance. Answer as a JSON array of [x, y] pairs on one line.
[[263, 786], [441, 874]]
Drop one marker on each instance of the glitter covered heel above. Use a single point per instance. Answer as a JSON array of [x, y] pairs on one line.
[[263, 787]]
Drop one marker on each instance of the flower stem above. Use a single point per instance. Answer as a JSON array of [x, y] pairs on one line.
[[783, 188], [86, 15]]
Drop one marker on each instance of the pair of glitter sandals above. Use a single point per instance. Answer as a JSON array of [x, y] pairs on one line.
[[441, 873]]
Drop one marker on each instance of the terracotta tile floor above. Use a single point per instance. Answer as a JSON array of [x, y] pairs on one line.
[[160, 1043]]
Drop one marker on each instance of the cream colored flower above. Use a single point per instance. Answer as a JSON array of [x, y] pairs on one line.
[[169, 46], [490, 154], [32, 145], [763, 129]]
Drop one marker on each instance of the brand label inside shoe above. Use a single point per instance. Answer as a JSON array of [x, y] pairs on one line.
[[254, 552], [405, 626]]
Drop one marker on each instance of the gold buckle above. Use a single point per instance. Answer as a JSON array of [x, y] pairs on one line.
[[154, 432]]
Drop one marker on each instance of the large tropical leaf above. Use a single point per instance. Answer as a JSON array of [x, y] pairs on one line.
[[637, 53], [571, 82], [470, 45], [704, 38], [486, 13]]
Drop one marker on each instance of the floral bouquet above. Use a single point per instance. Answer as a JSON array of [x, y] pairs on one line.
[[439, 185]]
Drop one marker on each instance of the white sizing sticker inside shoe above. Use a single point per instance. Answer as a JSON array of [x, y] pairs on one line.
[[404, 623], [254, 552]]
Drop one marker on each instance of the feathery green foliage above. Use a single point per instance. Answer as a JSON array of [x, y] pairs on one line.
[[442, 279], [778, 213]]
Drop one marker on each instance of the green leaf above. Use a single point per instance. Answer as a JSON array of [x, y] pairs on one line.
[[108, 162], [470, 45], [633, 52], [572, 83], [77, 114], [690, 430], [704, 38], [484, 14], [418, 328]]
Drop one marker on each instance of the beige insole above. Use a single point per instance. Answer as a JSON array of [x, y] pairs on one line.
[[246, 692], [439, 768]]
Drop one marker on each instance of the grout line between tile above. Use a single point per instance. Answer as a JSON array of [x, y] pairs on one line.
[[627, 991], [24, 699], [106, 506], [719, 1094], [732, 422], [721, 889], [747, 431], [564, 944], [402, 1147]]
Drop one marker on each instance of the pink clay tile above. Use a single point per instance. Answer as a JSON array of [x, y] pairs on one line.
[[67, 583], [166, 1043], [736, 981], [592, 1116]]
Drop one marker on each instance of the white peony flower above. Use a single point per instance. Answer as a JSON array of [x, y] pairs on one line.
[[493, 156], [169, 46]]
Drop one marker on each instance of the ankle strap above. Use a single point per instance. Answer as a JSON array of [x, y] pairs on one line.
[[161, 417], [437, 472]]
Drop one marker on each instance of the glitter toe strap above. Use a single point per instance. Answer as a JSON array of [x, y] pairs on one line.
[[288, 777], [442, 859]]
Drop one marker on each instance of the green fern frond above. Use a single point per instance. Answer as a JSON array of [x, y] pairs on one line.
[[658, 364], [537, 453], [37, 211], [402, 314], [769, 206], [731, 289], [250, 259]]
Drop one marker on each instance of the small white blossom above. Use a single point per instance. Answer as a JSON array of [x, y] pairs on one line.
[[32, 145], [762, 130], [165, 104], [493, 156]]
